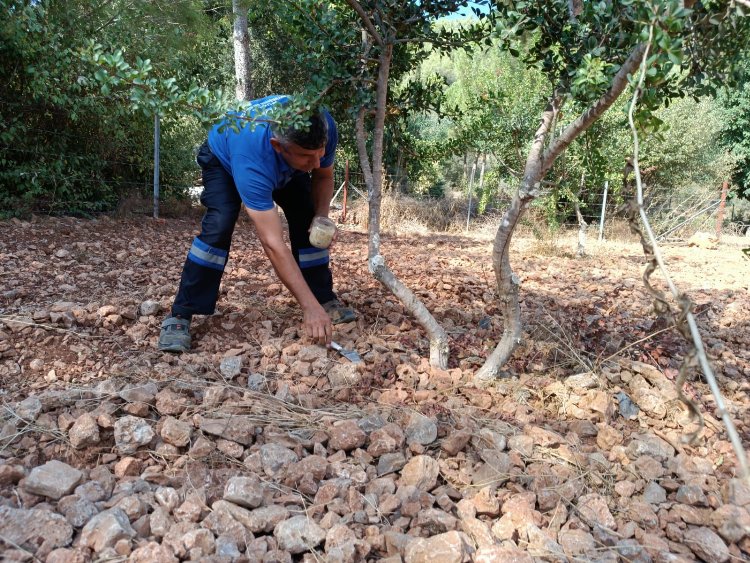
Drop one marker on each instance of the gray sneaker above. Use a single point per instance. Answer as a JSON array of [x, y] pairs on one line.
[[175, 335], [339, 312]]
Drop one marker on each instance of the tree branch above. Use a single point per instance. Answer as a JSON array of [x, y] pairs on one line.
[[584, 121], [366, 21]]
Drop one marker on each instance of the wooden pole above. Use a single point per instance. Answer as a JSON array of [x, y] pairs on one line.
[[604, 208], [722, 205], [157, 134], [471, 185], [346, 187]]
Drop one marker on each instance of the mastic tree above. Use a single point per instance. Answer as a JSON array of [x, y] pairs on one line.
[[589, 52], [355, 53]]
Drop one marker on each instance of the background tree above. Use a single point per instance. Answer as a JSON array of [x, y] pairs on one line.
[[242, 57], [588, 56]]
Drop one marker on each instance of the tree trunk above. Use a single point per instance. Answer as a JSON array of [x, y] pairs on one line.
[[507, 281], [538, 164], [373, 178], [242, 60]]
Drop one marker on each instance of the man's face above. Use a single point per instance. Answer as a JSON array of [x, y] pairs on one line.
[[297, 157]]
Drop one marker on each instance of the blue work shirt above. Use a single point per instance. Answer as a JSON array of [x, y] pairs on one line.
[[248, 156]]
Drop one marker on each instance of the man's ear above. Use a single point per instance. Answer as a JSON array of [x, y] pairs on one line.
[[276, 144]]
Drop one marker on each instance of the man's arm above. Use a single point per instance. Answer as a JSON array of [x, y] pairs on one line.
[[322, 190], [317, 323]]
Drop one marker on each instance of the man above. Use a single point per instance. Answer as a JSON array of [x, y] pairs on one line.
[[258, 166]]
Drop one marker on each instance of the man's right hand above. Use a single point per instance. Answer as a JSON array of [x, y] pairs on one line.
[[317, 324]]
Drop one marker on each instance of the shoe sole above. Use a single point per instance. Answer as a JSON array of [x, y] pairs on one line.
[[175, 348]]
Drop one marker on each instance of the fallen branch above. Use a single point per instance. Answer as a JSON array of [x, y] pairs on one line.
[[684, 321]]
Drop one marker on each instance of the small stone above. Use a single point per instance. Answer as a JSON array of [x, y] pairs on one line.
[[54, 479], [737, 492], [29, 409], [653, 446], [256, 382], [608, 437], [260, 520], [486, 502], [421, 430], [128, 467], [346, 435], [582, 382], [170, 403], [132, 432], [706, 544], [231, 367], [77, 510], [522, 444], [230, 448], [691, 494], [140, 393], [275, 457], [577, 543], [244, 491], [105, 529], [226, 547], [36, 530], [390, 463], [450, 547], [237, 429], [200, 539], [732, 522], [435, 521], [160, 522], [631, 550], [543, 437], [176, 432], [152, 552], [150, 308], [498, 554], [654, 493], [201, 448], [625, 488], [10, 474], [298, 534], [455, 442], [84, 432], [65, 555], [192, 509], [343, 375], [593, 509], [36, 364], [421, 471]]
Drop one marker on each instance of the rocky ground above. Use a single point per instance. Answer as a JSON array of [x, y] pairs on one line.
[[259, 446]]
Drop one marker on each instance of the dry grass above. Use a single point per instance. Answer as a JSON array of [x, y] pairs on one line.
[[402, 214]]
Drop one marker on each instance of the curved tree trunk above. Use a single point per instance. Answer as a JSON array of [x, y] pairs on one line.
[[538, 164], [507, 281], [373, 178], [242, 59]]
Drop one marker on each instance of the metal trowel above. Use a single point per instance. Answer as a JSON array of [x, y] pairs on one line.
[[350, 355]]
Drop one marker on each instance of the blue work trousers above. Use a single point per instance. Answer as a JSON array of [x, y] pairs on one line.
[[207, 258]]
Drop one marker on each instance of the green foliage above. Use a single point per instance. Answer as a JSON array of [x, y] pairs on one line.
[[69, 146], [735, 115]]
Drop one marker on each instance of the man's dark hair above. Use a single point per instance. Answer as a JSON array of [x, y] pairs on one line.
[[312, 137]]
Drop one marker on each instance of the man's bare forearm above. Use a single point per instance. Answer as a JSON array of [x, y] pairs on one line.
[[289, 273]]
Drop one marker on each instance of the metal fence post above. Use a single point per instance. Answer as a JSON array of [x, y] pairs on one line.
[[156, 165], [346, 189], [471, 186], [604, 208], [722, 205]]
